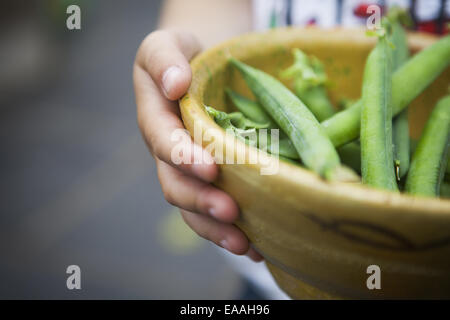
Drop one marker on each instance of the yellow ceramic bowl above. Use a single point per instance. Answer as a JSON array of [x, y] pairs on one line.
[[319, 238]]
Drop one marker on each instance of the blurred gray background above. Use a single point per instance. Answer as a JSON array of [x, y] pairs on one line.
[[77, 183]]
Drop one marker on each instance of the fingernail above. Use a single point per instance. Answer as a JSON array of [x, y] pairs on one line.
[[212, 212], [169, 79], [224, 244]]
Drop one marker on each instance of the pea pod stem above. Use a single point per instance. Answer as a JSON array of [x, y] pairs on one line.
[[400, 126], [376, 119], [407, 83], [400, 137], [429, 161]]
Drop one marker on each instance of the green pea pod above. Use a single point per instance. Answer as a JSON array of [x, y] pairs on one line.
[[445, 190], [413, 144], [240, 121], [447, 171], [376, 119], [291, 161], [295, 119], [286, 148], [345, 103], [400, 126], [408, 82], [241, 127], [350, 155], [429, 161], [251, 109], [316, 99], [225, 121], [255, 112], [309, 84]]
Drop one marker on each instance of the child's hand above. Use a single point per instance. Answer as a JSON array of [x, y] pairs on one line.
[[161, 76]]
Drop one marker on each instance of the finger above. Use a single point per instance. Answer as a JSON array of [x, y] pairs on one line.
[[165, 56], [254, 255], [224, 235], [191, 194], [163, 130]]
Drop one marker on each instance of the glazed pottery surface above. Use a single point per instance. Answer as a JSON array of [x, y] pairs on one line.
[[319, 238]]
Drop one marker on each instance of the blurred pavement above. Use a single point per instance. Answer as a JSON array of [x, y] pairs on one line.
[[79, 187]]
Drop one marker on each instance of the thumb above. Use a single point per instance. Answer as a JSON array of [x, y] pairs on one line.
[[165, 56]]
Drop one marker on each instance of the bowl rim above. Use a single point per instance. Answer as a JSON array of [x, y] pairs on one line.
[[192, 109]]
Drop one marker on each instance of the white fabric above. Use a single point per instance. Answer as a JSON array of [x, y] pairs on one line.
[[257, 274]]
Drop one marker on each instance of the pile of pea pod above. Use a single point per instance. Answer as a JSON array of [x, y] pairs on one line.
[[368, 137]]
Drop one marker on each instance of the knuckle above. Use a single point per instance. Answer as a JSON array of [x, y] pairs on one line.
[[156, 145], [151, 42], [200, 198], [153, 37], [201, 232], [147, 135], [156, 38], [168, 194]]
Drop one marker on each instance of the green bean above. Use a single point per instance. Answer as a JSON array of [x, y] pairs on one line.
[[400, 126], [377, 166], [407, 83], [295, 119], [309, 84], [430, 158]]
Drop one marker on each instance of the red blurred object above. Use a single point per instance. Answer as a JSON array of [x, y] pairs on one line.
[[447, 27], [428, 26], [311, 22], [361, 10]]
